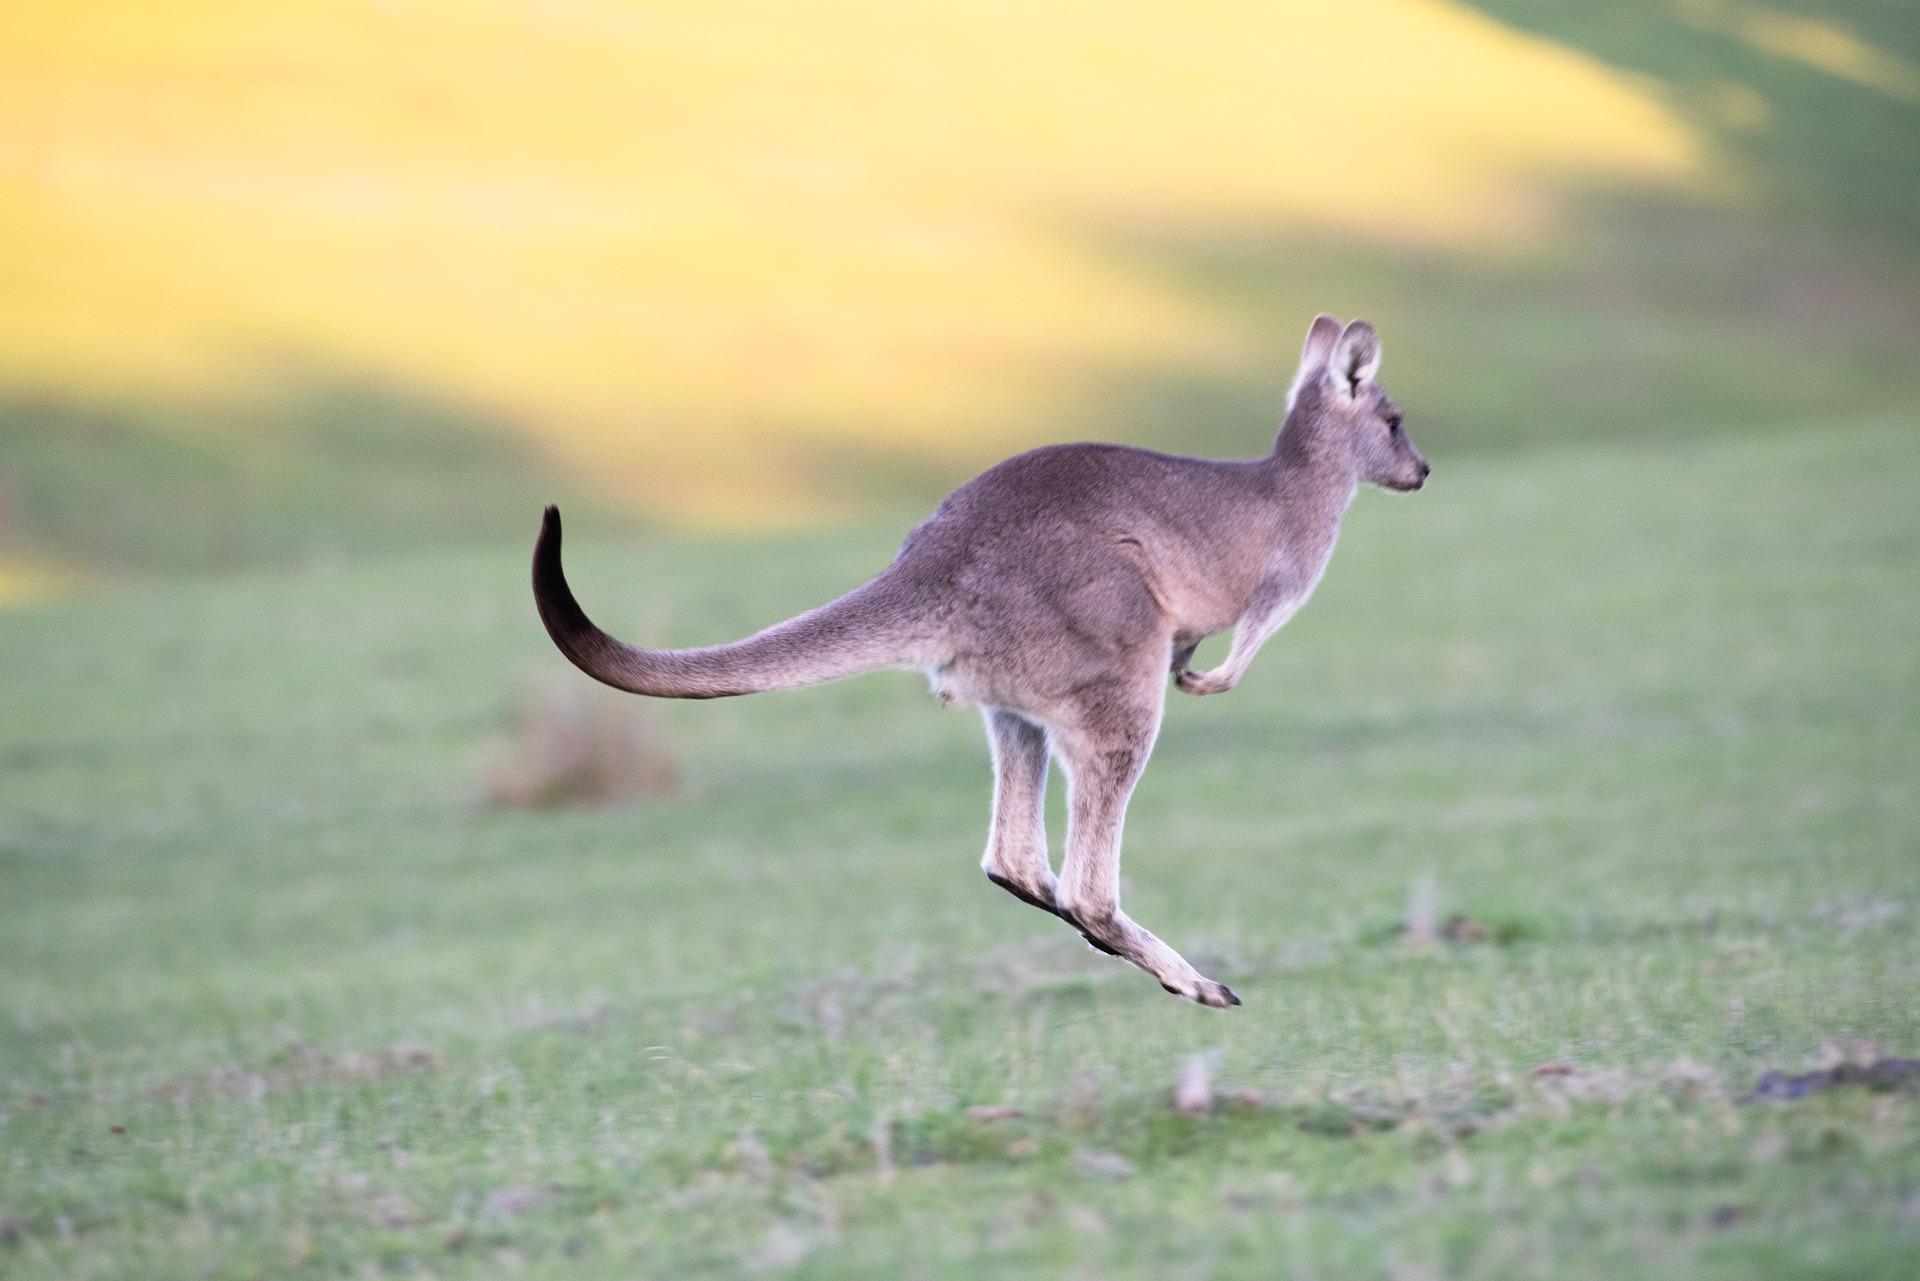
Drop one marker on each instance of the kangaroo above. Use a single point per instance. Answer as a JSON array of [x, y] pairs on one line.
[[1056, 591]]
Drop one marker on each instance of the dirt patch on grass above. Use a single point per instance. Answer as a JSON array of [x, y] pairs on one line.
[[1422, 925], [297, 1067], [1882, 1074], [575, 743], [1093, 1132]]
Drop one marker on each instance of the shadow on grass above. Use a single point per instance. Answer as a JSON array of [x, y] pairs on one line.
[[1817, 100], [330, 463], [1639, 319]]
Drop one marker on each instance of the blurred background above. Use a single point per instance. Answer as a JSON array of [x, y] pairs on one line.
[[346, 931], [316, 280]]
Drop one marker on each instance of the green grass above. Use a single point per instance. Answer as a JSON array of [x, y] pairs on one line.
[[282, 999]]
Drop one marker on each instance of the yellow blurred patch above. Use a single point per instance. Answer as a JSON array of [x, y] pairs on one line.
[[22, 581], [663, 236]]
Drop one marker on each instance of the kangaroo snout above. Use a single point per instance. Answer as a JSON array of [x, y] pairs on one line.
[[1419, 480]]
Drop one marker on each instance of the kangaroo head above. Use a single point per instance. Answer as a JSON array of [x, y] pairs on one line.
[[1335, 409]]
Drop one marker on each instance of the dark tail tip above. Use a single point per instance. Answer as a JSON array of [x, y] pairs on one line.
[[546, 550], [557, 607]]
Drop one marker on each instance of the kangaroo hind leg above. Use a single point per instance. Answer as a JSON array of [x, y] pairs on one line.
[[1016, 857], [1103, 765]]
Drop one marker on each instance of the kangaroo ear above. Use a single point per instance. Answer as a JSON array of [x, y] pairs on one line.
[[1356, 357], [1321, 336]]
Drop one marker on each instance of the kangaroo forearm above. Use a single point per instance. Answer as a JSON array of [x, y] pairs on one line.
[[1249, 634]]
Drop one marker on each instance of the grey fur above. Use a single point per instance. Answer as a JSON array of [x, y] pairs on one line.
[[1056, 590]]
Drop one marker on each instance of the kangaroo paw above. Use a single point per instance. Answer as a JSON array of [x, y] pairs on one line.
[[1200, 683]]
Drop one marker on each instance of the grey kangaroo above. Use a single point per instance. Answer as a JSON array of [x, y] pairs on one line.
[[1056, 591]]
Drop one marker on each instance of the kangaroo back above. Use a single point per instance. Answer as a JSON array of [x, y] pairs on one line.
[[869, 628]]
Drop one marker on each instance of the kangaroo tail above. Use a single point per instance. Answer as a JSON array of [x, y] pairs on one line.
[[862, 631]]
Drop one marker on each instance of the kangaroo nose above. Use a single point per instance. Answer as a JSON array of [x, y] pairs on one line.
[[1426, 469]]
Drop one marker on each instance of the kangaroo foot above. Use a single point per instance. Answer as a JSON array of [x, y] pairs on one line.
[[1047, 905], [1112, 931], [1206, 992], [1024, 895]]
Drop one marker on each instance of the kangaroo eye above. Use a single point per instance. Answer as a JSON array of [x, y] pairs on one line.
[[1393, 424]]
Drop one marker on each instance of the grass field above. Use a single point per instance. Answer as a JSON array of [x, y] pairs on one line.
[[282, 999], [310, 306]]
